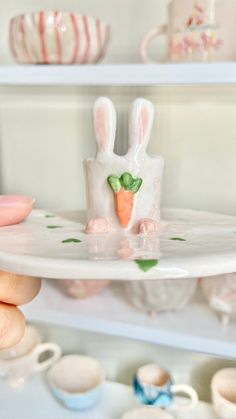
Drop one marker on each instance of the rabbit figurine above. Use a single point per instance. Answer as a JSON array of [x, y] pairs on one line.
[[123, 192]]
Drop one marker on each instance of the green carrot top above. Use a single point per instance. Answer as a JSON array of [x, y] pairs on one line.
[[126, 181]]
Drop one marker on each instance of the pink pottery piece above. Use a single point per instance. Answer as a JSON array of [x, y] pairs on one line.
[[54, 37], [83, 289], [14, 209]]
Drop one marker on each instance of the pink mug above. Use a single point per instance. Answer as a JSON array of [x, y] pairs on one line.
[[198, 30]]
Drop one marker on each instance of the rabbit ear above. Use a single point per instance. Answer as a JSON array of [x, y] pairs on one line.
[[140, 125], [104, 116]]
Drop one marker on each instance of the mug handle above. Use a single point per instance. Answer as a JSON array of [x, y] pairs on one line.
[[160, 30], [46, 347], [189, 391]]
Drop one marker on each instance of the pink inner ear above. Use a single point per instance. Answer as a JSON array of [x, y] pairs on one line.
[[143, 123], [100, 126]]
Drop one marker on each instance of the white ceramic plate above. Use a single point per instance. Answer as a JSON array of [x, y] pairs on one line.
[[36, 402], [191, 244]]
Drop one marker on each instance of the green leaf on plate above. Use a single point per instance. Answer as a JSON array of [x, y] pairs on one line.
[[50, 216], [146, 264], [52, 227], [71, 241], [178, 239]]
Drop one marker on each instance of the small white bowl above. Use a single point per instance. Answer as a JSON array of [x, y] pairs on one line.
[[14, 209], [55, 37], [76, 381]]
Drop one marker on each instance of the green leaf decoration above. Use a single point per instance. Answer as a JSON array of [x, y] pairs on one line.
[[146, 264], [52, 227], [72, 241], [126, 180], [178, 239], [136, 185], [114, 183], [50, 216]]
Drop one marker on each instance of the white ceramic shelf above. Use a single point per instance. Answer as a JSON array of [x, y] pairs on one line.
[[36, 402], [120, 75], [191, 244], [195, 328]]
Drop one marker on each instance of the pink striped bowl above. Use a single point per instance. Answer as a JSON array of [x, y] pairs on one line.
[[58, 38]]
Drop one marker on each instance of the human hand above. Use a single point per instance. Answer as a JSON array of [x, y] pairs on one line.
[[14, 290]]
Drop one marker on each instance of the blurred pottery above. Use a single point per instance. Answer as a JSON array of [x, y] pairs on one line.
[[82, 289], [160, 295], [76, 381], [20, 362], [223, 389], [220, 292]]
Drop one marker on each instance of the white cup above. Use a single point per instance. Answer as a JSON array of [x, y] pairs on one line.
[[153, 385], [76, 381], [147, 413], [223, 388], [20, 362]]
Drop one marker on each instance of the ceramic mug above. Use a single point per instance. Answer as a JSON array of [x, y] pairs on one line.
[[147, 413], [21, 361], [223, 388], [198, 30], [153, 385], [76, 381]]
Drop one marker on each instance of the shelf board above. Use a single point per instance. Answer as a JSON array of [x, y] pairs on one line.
[[119, 74], [29, 401], [195, 328], [116, 399]]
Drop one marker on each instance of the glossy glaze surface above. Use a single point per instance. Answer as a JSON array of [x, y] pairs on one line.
[[123, 192], [55, 37], [14, 209], [191, 244]]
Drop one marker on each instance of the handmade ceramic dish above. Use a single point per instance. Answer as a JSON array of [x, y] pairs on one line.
[[14, 209], [50, 246], [164, 295], [82, 289], [76, 381], [220, 292], [55, 37]]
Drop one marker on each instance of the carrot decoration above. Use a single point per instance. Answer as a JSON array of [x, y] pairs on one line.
[[124, 189]]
